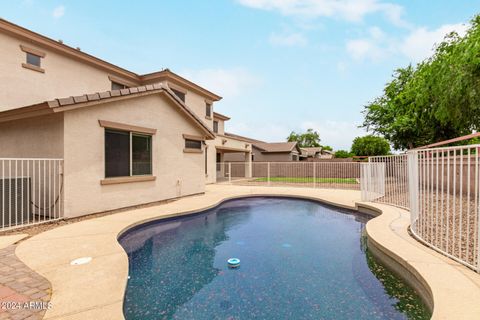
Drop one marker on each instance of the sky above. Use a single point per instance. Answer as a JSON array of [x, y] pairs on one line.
[[280, 65]]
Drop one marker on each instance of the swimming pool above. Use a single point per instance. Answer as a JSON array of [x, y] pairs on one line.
[[299, 260]]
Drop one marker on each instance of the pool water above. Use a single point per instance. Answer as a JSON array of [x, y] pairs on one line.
[[299, 260]]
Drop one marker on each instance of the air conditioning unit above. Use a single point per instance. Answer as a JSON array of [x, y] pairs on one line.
[[15, 204]]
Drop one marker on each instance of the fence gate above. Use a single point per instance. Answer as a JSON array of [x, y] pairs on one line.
[[31, 191], [372, 181]]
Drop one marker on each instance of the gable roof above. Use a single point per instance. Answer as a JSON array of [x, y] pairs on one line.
[[236, 136], [76, 54], [220, 116], [267, 147], [276, 147], [88, 100]]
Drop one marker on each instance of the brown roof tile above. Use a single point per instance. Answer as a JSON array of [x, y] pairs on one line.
[[66, 101], [104, 95], [93, 97], [57, 103], [79, 99]]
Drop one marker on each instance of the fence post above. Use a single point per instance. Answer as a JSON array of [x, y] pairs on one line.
[[268, 173], [314, 175], [230, 172], [412, 162]]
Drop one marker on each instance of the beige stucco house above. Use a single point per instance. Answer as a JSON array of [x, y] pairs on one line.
[[125, 139], [266, 151]]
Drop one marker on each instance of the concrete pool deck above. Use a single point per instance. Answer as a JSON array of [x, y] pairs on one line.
[[96, 290]]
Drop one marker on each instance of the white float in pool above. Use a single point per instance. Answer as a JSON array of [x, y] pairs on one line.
[[79, 261], [233, 262]]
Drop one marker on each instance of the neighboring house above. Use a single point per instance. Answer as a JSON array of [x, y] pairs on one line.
[[125, 139], [267, 151], [315, 153]]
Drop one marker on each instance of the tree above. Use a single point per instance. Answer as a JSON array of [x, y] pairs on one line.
[[343, 154], [436, 100], [308, 139], [328, 148], [370, 146]]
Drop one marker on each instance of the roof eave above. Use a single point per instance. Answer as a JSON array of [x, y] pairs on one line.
[[179, 80]]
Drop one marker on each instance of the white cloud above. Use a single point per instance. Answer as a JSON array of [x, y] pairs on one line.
[[227, 83], [58, 12], [289, 40], [350, 10], [266, 131], [375, 46], [338, 134], [420, 43], [417, 45]]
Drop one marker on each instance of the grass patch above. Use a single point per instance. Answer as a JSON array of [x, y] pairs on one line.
[[309, 180]]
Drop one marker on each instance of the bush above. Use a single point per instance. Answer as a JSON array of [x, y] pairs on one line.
[[370, 146], [343, 154]]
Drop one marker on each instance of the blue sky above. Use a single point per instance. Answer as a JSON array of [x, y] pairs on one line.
[[281, 65]]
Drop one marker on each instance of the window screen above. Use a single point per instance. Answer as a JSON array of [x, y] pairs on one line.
[[141, 155], [117, 153], [193, 144], [33, 59], [118, 86], [179, 94], [208, 110]]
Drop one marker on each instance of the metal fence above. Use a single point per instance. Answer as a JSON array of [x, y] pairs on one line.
[[440, 187], [336, 175], [31, 191]]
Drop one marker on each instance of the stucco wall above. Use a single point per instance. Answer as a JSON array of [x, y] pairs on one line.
[[260, 157], [211, 162], [221, 126], [178, 173], [40, 137], [63, 76]]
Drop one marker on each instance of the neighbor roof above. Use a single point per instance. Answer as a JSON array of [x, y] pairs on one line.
[[276, 146], [75, 53], [236, 136], [87, 100]]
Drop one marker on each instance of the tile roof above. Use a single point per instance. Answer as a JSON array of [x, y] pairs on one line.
[[276, 146], [236, 136], [266, 146], [63, 104]]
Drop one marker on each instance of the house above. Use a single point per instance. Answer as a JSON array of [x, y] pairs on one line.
[[267, 151], [125, 139], [315, 153]]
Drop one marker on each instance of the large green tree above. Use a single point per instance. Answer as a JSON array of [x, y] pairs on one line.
[[310, 138], [370, 146], [436, 100]]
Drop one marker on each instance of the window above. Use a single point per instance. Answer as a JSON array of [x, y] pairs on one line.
[[193, 144], [208, 111], [294, 157], [118, 86], [179, 94], [127, 154], [215, 126], [33, 59]]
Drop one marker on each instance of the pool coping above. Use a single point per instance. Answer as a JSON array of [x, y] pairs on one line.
[[96, 290]]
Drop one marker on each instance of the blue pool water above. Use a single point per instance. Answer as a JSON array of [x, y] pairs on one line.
[[299, 260]]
